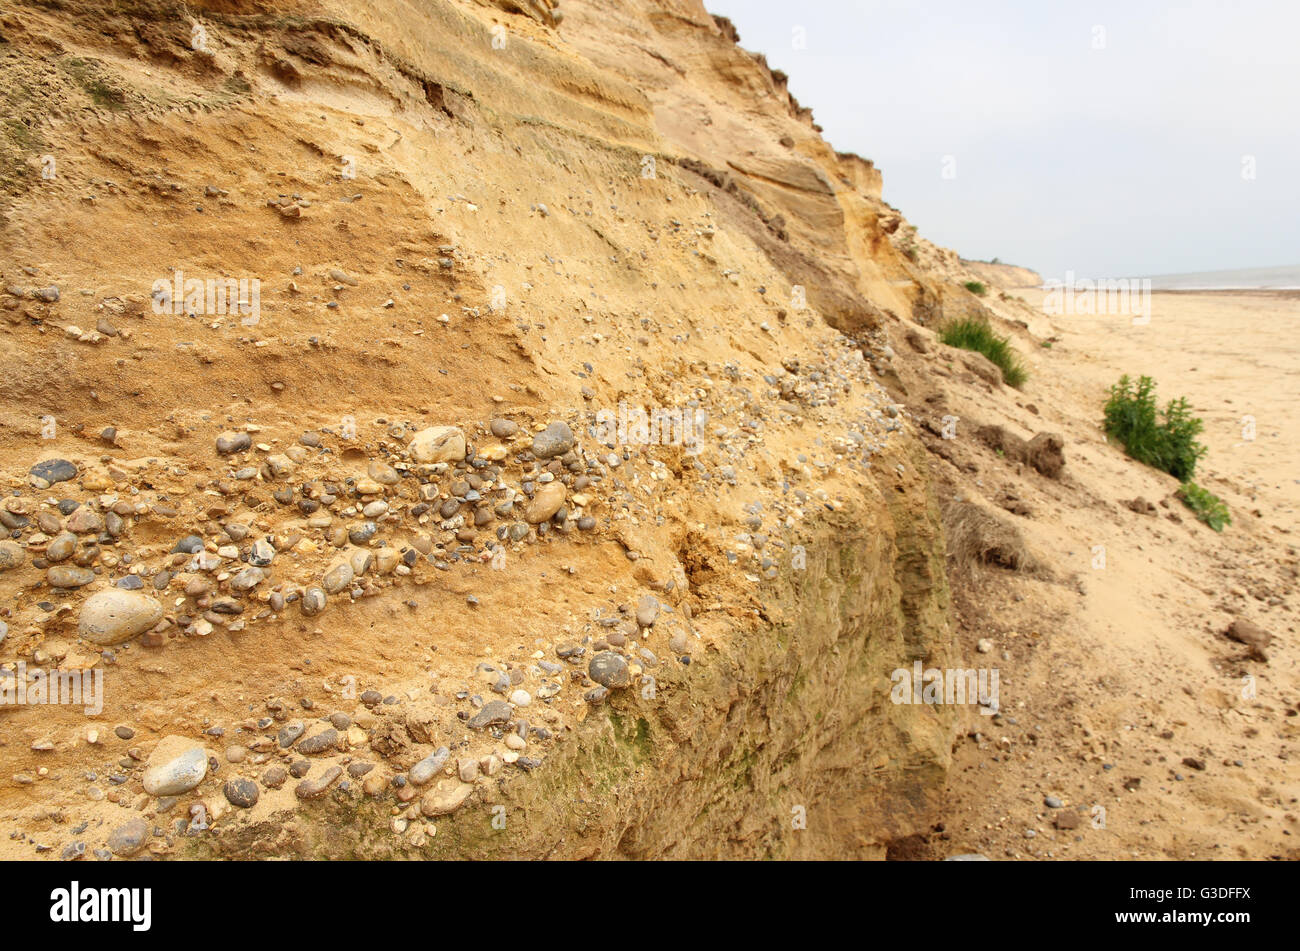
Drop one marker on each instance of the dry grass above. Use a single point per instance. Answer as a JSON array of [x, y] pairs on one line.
[[978, 537]]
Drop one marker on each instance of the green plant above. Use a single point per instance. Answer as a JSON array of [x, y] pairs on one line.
[[971, 333], [1168, 444], [1209, 508], [976, 287]]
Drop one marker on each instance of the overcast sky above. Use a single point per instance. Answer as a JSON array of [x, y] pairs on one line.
[[1106, 138]]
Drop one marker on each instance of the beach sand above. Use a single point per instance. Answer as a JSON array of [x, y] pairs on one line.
[[1120, 671]]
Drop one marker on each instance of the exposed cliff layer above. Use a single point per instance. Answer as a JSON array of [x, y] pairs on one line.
[[460, 214]]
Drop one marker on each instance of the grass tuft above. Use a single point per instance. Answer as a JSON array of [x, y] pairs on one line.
[[971, 333]]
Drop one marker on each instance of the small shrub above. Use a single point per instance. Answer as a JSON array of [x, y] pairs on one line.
[[1209, 508], [1167, 444], [970, 333], [976, 287]]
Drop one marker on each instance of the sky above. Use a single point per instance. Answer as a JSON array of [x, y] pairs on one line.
[[1107, 139]]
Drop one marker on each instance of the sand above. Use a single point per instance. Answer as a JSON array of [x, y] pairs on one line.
[[1132, 670]]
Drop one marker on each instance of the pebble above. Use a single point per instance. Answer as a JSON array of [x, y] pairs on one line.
[[12, 555], [555, 440], [61, 547], [609, 670], [247, 579], [338, 577], [494, 711], [467, 769], [228, 443], [114, 616], [424, 771], [84, 521], [323, 742], [520, 698], [1051, 802], [66, 576], [275, 777], [548, 501], [189, 545], [289, 733], [647, 609], [128, 839], [313, 602], [503, 428], [53, 470], [446, 797], [241, 792], [177, 765], [437, 444], [311, 788]]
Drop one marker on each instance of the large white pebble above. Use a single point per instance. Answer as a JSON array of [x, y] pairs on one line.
[[117, 615]]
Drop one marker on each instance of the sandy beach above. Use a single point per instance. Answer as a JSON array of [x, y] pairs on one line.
[[1129, 677]]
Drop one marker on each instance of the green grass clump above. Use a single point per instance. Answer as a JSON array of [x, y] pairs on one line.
[[1167, 444], [971, 333], [1209, 508], [976, 287]]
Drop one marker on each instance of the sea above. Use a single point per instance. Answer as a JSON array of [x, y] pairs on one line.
[[1251, 278]]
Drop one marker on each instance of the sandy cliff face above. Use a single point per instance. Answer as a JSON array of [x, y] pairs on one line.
[[486, 216]]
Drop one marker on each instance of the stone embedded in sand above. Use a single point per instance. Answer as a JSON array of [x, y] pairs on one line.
[[69, 576], [503, 428], [313, 602], [85, 521], [233, 442], [1252, 635], [647, 609], [61, 547], [117, 615], [311, 788], [242, 792], [323, 742], [424, 771], [438, 444], [548, 500], [128, 839], [494, 711], [247, 579], [53, 470], [343, 277], [280, 465], [555, 440], [338, 577], [445, 798], [12, 555], [382, 473], [609, 670], [176, 766]]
